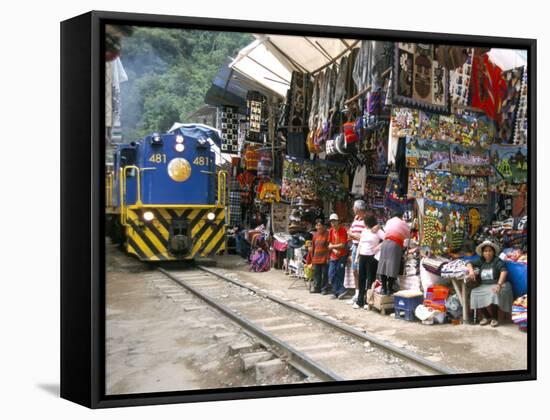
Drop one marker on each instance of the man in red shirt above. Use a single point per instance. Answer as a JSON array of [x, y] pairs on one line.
[[338, 239]]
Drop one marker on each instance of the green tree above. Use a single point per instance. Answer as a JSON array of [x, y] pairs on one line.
[[169, 72]]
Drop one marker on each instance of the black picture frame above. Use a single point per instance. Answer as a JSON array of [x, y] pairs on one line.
[[82, 203]]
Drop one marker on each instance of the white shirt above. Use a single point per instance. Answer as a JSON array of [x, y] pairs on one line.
[[369, 241], [358, 184]]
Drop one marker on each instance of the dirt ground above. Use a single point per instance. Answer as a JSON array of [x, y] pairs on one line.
[[158, 341], [153, 344]]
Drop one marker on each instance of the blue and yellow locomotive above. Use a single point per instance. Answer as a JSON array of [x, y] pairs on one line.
[[166, 196]]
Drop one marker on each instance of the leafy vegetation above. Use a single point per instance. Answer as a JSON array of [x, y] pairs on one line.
[[169, 72]]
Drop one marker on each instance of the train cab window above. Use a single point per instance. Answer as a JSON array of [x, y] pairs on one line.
[[128, 157]]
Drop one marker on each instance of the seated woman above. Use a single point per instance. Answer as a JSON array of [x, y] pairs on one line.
[[493, 289]]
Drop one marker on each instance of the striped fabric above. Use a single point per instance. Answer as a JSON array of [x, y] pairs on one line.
[[320, 248], [357, 227]]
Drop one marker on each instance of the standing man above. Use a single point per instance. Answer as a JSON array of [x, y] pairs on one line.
[[319, 258], [338, 239], [354, 233]]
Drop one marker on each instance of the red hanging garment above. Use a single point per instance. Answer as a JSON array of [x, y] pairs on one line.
[[488, 86]]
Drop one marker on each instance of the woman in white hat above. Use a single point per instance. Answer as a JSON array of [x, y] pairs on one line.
[[493, 288]]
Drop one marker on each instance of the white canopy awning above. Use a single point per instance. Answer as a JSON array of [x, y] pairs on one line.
[[508, 59], [270, 59]]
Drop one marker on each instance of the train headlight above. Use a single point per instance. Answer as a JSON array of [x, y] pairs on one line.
[[148, 216], [179, 138], [211, 216], [180, 147]]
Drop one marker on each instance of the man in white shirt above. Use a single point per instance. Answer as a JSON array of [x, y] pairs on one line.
[[354, 233]]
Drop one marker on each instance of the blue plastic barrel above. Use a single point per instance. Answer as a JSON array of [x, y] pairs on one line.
[[517, 275]]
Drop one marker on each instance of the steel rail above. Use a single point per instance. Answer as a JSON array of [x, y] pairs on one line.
[[288, 353], [402, 353]]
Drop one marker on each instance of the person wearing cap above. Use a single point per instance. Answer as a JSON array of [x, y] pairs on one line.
[[338, 239], [354, 233], [493, 289]]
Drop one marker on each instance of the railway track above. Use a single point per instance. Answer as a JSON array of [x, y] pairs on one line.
[[319, 347]]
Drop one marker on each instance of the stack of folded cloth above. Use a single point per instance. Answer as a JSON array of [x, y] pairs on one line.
[[519, 312], [434, 264], [454, 269]]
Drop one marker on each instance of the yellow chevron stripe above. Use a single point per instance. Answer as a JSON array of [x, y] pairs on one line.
[[142, 245], [213, 242]]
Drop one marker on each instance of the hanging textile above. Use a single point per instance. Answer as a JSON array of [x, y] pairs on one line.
[[235, 217], [470, 161], [228, 122], [428, 126], [434, 185], [459, 78], [520, 131], [510, 101], [427, 154], [340, 84], [298, 92], [469, 189], [488, 86], [418, 79], [443, 226], [510, 169], [256, 105]]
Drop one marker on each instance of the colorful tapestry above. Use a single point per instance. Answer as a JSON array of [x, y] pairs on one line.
[[488, 86], [520, 132], [427, 154], [434, 185], [470, 161], [428, 126], [418, 79], [394, 200], [510, 162], [309, 180], [447, 128], [443, 226], [466, 130], [509, 107], [404, 122], [469, 189], [459, 81], [486, 131]]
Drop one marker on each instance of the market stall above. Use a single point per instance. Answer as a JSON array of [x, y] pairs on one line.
[[438, 133]]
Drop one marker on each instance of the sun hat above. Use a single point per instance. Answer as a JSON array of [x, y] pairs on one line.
[[479, 248], [333, 216]]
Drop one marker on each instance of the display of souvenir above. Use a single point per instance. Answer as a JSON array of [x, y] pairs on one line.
[[459, 81], [428, 126], [419, 81], [228, 122], [466, 130], [509, 106], [520, 131], [470, 161], [488, 87], [435, 185], [443, 226], [447, 127], [486, 131], [427, 154], [394, 200], [256, 105], [297, 179], [510, 162], [469, 189], [404, 122]]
